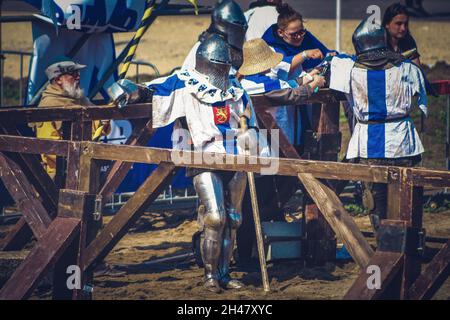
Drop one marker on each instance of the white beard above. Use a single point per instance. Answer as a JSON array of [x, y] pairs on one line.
[[73, 90]]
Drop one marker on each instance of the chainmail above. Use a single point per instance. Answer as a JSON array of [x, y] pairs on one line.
[[379, 58]]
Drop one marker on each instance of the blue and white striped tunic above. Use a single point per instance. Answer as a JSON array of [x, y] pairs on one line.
[[379, 97], [284, 115]]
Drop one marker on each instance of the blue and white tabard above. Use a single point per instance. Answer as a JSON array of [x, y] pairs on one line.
[[284, 115], [212, 115], [378, 98]]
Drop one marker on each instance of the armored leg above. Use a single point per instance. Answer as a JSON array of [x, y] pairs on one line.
[[234, 198], [209, 188]]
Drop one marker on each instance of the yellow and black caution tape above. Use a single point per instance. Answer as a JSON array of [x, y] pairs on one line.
[[194, 3], [143, 27], [137, 38], [150, 5]]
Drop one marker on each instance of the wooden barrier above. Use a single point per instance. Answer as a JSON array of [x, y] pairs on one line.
[[65, 228]]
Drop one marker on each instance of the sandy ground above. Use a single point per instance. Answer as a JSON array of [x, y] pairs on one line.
[[288, 280], [169, 40], [162, 235]]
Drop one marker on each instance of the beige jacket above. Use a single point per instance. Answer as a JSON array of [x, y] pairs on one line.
[[54, 96]]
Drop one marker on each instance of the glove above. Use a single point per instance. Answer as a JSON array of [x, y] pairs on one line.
[[124, 92], [247, 142]]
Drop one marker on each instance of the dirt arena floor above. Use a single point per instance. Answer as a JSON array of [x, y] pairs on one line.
[[162, 235], [288, 280]]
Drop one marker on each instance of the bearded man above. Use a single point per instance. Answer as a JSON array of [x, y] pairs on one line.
[[62, 91]]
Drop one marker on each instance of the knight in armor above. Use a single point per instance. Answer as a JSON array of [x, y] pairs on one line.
[[380, 85], [221, 193], [227, 21], [209, 114]]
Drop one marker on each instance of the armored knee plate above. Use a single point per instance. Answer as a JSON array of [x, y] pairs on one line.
[[209, 188], [235, 196]]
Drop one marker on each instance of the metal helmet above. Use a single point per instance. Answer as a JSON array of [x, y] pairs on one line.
[[369, 36], [213, 60], [228, 20]]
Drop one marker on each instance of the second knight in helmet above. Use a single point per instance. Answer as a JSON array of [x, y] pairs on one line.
[[227, 21]]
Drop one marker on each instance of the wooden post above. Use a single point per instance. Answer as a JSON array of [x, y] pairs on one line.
[[337, 217], [88, 181], [320, 244], [82, 175], [73, 166], [405, 204], [320, 238], [73, 205]]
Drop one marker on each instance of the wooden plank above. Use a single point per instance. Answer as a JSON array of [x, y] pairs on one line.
[[73, 166], [128, 214], [337, 217], [431, 178], [42, 257], [132, 111], [320, 169], [142, 132], [267, 121], [435, 274], [81, 131], [390, 264], [77, 205], [405, 204], [329, 118], [24, 196], [33, 169], [411, 203], [320, 242], [89, 178], [39, 114], [17, 237], [320, 238], [88, 182], [287, 167], [74, 113], [39, 179], [29, 145], [31, 166]]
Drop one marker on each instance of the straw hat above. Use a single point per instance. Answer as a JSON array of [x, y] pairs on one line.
[[258, 57]]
